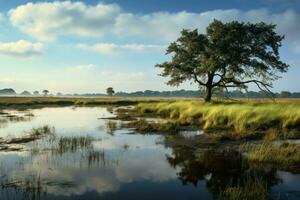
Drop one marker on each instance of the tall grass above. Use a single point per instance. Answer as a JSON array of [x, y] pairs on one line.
[[248, 189], [239, 117], [285, 155]]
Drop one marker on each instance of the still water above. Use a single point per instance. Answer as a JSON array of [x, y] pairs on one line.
[[82, 156]]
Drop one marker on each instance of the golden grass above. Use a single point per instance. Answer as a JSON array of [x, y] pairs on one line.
[[248, 189], [63, 101], [240, 117], [41, 99], [285, 155]]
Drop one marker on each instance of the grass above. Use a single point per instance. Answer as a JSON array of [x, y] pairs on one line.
[[143, 126], [246, 117], [248, 189], [111, 127], [32, 135], [63, 101], [73, 144], [242, 118], [284, 155]]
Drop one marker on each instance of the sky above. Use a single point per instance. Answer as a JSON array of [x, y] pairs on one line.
[[87, 46]]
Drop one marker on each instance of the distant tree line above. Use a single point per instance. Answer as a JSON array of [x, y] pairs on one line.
[[195, 93], [176, 93]]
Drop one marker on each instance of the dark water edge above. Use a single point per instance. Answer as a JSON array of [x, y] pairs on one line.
[[82, 156]]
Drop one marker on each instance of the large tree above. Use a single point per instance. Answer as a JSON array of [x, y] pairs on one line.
[[229, 55]]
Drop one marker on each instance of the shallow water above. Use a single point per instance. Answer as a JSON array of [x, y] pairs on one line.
[[87, 157]]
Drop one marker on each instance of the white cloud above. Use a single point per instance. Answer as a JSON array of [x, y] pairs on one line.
[[110, 48], [48, 20], [21, 48]]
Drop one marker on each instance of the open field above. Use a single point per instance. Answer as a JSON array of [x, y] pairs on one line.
[[65, 101]]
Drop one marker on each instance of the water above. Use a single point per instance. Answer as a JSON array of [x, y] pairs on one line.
[[82, 156]]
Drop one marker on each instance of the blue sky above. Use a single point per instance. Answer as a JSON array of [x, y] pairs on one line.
[[87, 46]]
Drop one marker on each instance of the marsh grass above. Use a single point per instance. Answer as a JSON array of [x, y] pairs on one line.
[[32, 135], [247, 189], [73, 144], [111, 127], [6, 117], [143, 126], [286, 155], [242, 118], [25, 102], [95, 157]]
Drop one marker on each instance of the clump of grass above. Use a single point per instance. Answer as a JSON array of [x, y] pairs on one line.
[[95, 157], [32, 135], [247, 189], [111, 127], [73, 144], [143, 126], [285, 154], [240, 117]]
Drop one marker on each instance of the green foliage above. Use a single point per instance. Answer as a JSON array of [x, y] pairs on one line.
[[110, 91], [45, 92], [229, 55]]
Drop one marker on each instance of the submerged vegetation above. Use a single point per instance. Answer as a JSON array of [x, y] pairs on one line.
[[30, 136], [73, 144]]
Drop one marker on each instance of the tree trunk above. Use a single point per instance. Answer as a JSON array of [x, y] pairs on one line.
[[208, 94], [209, 87]]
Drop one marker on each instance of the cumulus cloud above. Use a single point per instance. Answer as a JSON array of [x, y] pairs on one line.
[[48, 20], [110, 48], [21, 48]]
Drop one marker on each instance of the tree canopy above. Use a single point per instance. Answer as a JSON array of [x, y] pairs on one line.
[[229, 55], [45, 92], [110, 91]]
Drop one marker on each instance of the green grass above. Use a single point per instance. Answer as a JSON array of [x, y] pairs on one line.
[[285, 155], [73, 144], [142, 126], [240, 117], [248, 189]]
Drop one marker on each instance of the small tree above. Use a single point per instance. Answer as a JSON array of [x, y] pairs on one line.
[[229, 55], [110, 91], [25, 93], [45, 92], [36, 93]]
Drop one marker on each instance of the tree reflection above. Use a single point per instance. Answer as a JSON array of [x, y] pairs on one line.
[[219, 168]]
